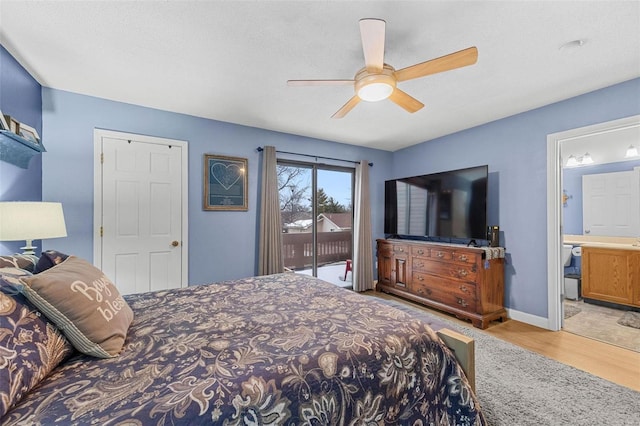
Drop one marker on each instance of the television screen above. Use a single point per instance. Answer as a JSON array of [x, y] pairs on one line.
[[451, 204]]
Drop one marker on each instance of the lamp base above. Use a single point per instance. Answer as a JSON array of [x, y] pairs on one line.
[[29, 248]]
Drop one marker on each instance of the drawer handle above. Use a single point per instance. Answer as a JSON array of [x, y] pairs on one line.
[[419, 264], [463, 258], [464, 289], [440, 254], [400, 250], [462, 302], [423, 291], [462, 272], [420, 278], [420, 251]]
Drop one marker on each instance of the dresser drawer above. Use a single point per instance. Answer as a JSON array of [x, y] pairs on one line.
[[420, 251], [457, 294], [458, 271], [441, 253], [465, 256], [401, 249]]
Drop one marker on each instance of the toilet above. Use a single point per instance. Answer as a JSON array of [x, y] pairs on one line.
[[566, 254], [572, 275]]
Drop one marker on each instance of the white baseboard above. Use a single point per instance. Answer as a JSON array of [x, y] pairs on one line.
[[541, 322]]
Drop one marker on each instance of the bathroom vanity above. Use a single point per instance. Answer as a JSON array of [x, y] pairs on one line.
[[611, 273]]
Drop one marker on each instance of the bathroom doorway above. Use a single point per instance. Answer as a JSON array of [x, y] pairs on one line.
[[574, 315]]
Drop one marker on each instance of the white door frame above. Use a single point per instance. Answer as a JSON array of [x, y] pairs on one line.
[[98, 134], [555, 269]]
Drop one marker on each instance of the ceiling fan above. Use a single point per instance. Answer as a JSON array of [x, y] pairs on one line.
[[378, 81]]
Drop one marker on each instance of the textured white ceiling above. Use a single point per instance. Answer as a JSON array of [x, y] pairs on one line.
[[229, 60]]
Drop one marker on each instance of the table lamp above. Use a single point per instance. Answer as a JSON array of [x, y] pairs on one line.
[[31, 220]]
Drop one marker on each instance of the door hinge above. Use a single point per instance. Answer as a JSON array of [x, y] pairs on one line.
[[102, 158], [101, 231]]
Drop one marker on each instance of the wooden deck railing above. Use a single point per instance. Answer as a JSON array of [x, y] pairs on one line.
[[332, 247]]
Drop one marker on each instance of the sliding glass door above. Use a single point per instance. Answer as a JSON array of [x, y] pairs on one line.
[[317, 218]]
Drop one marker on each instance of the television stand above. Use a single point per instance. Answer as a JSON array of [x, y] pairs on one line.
[[449, 277]]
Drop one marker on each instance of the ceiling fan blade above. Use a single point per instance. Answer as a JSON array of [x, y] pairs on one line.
[[319, 82], [444, 63], [372, 34], [407, 102], [351, 103]]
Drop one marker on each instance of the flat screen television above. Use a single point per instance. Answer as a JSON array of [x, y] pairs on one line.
[[446, 206]]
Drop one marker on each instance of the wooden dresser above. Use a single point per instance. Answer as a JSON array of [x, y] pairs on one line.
[[452, 278]]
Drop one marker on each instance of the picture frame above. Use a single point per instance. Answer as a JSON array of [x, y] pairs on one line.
[[29, 133], [3, 122], [225, 185], [13, 125]]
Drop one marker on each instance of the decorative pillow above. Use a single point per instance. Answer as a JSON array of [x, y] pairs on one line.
[[30, 345], [84, 304], [22, 261], [49, 259]]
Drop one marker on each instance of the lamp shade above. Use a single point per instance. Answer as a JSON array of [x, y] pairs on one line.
[[31, 220]]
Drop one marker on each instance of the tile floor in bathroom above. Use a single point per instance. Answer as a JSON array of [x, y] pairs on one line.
[[600, 323]]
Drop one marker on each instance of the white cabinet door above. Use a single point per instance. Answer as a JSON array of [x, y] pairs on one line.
[[611, 204]]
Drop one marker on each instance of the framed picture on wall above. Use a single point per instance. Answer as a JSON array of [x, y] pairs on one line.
[[225, 183]]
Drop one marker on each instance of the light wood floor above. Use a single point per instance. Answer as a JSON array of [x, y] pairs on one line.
[[618, 365]]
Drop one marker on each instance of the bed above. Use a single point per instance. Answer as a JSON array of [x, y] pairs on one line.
[[284, 349]]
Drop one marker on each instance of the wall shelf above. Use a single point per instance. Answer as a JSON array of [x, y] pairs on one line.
[[17, 150]]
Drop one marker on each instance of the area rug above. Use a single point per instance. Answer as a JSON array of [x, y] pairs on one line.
[[630, 319], [570, 311], [517, 387]]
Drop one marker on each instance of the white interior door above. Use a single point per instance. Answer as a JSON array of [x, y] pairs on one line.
[[611, 204], [142, 213]]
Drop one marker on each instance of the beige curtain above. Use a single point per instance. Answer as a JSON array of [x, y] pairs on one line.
[[270, 260], [363, 250]]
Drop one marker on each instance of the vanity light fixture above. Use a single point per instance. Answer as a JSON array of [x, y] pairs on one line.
[[584, 160], [572, 161], [632, 151]]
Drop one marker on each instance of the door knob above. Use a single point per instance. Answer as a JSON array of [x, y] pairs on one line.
[[175, 243]]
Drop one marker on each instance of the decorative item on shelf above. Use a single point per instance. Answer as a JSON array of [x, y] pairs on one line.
[[29, 133], [4, 125], [225, 183], [31, 220], [18, 142], [565, 197], [10, 123]]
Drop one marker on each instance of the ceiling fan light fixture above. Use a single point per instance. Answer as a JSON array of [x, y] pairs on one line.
[[375, 92], [374, 87]]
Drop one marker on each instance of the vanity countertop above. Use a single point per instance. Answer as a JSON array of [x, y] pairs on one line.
[[619, 243]]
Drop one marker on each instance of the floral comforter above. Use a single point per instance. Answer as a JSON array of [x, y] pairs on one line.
[[284, 349]]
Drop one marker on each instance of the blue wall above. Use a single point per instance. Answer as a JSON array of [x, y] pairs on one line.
[[572, 184], [515, 148], [20, 97], [222, 245]]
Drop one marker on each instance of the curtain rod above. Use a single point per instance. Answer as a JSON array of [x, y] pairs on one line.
[[260, 149]]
